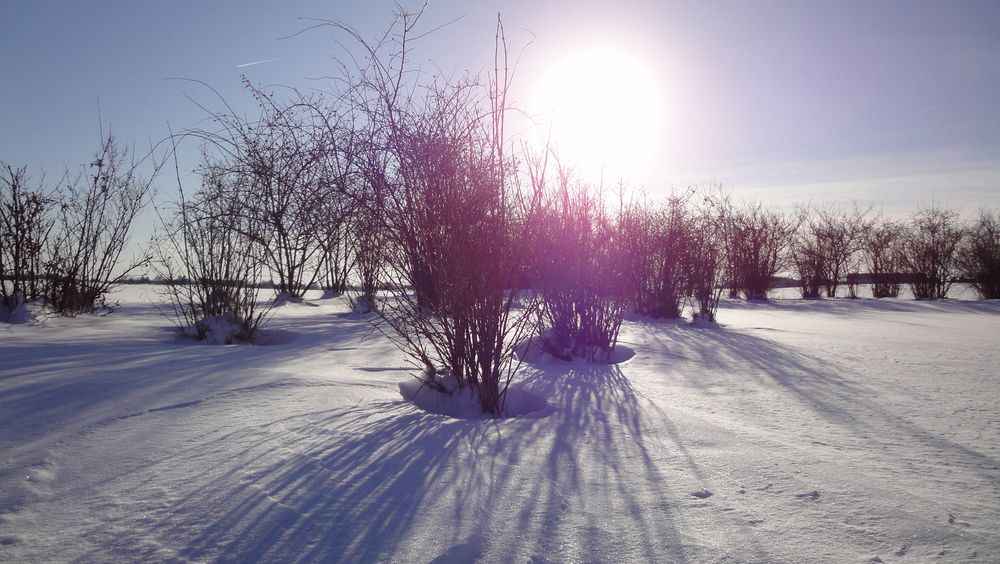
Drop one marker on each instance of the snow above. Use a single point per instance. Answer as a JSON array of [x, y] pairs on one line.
[[821, 430], [218, 329], [465, 404], [20, 313], [532, 352]]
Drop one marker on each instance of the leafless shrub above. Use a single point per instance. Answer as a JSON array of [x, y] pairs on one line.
[[335, 243], [368, 238], [808, 256], [840, 233], [929, 251], [659, 239], [25, 223], [211, 265], [757, 240], [94, 219], [343, 184], [451, 201], [706, 258], [676, 251], [824, 249], [580, 273], [282, 159], [979, 256], [881, 251]]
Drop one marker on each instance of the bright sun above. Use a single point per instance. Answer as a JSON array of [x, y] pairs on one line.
[[604, 107]]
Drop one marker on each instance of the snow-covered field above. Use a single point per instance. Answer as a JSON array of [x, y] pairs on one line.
[[799, 431]]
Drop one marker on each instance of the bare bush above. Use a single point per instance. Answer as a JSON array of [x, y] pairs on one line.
[[979, 256], [929, 252], [706, 258], [839, 232], [658, 239], [808, 257], [452, 199], [580, 273], [757, 241], [335, 243], [96, 214], [25, 223], [343, 182], [368, 238], [211, 266], [282, 161], [676, 251], [824, 248], [881, 251]]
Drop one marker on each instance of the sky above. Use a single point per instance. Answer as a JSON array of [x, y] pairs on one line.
[[883, 102]]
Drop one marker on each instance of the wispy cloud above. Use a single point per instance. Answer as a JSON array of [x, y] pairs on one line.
[[260, 62]]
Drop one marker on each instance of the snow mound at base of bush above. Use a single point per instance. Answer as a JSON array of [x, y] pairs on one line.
[[534, 353], [702, 323], [219, 329], [283, 298], [330, 294], [361, 306], [463, 403], [272, 337]]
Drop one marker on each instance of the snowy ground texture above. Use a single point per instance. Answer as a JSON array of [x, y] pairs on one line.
[[831, 430]]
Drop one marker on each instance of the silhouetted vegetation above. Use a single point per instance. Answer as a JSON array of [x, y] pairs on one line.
[[930, 251], [405, 194], [26, 219], [64, 245], [210, 261], [581, 272], [979, 256]]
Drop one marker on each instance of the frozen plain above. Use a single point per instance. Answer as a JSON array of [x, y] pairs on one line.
[[834, 430]]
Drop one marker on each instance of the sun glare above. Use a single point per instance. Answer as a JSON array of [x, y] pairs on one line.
[[604, 108]]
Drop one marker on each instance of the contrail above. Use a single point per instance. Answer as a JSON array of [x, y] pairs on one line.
[[244, 65]]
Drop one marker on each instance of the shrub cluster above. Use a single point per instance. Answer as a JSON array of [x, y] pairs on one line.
[[580, 272], [211, 262], [411, 195], [63, 245]]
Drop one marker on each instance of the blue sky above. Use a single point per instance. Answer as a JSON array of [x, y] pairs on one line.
[[886, 102]]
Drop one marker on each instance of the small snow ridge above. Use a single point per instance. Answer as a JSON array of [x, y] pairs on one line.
[[702, 323], [463, 403], [460, 553], [532, 352], [173, 406], [285, 298], [269, 337]]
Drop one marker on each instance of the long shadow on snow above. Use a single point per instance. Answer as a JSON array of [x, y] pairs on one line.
[[80, 376], [55, 388], [362, 479], [823, 387], [349, 493], [598, 448], [866, 306]]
